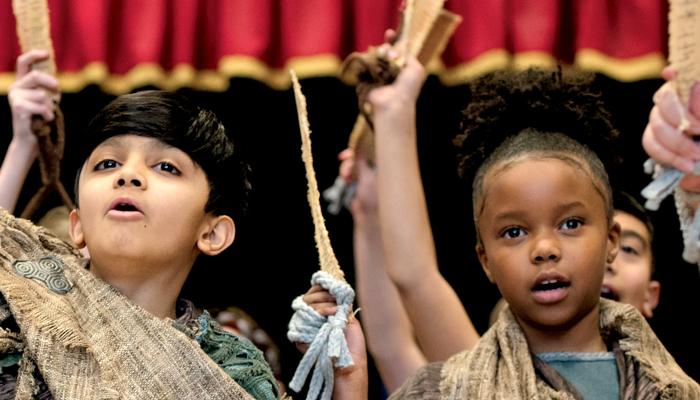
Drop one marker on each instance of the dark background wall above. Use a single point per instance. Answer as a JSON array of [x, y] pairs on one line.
[[274, 255]]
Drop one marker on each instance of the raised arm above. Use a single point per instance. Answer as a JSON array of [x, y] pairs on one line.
[[439, 319], [27, 97], [388, 331]]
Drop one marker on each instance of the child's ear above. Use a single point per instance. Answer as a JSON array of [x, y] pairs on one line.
[[217, 235], [652, 299], [76, 229], [613, 241], [483, 259]]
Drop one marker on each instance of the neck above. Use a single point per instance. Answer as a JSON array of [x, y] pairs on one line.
[[583, 337], [153, 286]]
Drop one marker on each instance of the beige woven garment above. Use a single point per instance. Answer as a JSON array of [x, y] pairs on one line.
[[93, 342], [500, 367]]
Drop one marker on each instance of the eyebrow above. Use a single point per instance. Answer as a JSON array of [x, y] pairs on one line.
[[626, 233], [559, 209], [116, 141]]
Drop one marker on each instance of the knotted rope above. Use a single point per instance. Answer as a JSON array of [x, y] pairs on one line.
[[326, 336], [666, 180]]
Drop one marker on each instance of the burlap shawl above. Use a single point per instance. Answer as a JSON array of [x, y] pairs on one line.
[[500, 365], [93, 342]]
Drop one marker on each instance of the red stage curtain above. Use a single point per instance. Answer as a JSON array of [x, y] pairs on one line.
[[123, 44]]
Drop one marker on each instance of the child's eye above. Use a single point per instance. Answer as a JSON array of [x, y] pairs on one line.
[[105, 164], [629, 249], [167, 167], [571, 224], [512, 233]]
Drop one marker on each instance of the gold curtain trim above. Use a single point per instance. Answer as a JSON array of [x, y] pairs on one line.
[[482, 64], [327, 65], [648, 66]]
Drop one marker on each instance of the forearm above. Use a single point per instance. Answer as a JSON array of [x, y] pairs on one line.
[[408, 238], [388, 331], [15, 166], [440, 321]]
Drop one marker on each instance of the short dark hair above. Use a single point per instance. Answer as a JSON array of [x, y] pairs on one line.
[[625, 202], [539, 113], [176, 121]]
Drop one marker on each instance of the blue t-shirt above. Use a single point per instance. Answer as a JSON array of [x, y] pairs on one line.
[[594, 375]]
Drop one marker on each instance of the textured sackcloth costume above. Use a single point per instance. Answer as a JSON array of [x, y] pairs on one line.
[[501, 366], [81, 338]]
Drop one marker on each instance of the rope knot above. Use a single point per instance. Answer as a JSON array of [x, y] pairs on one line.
[[325, 335]]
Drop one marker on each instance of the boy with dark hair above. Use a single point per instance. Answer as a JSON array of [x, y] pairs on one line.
[[158, 187], [630, 278]]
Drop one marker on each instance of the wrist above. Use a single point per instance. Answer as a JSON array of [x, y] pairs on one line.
[[351, 385], [25, 147]]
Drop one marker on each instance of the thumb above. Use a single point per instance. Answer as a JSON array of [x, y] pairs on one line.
[[412, 76], [694, 101]]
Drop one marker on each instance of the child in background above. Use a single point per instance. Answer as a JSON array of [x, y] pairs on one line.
[[629, 279], [543, 211]]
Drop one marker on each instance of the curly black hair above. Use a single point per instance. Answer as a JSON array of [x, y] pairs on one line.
[[557, 113]]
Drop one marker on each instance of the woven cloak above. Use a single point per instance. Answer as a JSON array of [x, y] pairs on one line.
[[93, 342]]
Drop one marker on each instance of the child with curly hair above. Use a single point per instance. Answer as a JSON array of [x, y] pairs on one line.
[[534, 149]]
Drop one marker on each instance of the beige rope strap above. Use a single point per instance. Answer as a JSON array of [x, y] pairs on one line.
[[34, 32]]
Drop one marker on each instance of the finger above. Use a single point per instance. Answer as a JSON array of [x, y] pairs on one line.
[[316, 288], [694, 101], [668, 136], [671, 110], [25, 61], [412, 75], [661, 153], [302, 347], [37, 79], [326, 309], [345, 154], [318, 297], [29, 108], [389, 35], [18, 98], [347, 168], [669, 73], [690, 183]]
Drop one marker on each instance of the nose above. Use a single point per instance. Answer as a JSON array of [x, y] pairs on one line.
[[545, 248], [129, 176]]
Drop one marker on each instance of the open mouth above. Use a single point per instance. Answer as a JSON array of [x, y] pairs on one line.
[[550, 285], [125, 208], [609, 293]]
